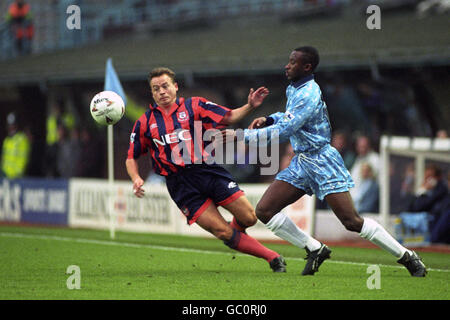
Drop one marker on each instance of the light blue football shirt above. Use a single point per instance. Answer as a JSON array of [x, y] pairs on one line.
[[305, 123]]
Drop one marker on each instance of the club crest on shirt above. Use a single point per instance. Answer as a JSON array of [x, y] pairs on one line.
[[288, 116], [182, 116]]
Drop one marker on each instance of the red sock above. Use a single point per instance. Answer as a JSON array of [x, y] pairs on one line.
[[246, 244], [235, 225]]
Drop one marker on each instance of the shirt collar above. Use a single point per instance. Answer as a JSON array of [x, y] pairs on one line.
[[172, 108], [297, 84]]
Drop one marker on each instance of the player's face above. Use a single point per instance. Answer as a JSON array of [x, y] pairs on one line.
[[164, 90], [296, 69]]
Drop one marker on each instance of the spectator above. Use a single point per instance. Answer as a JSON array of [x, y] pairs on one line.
[[90, 164], [340, 142], [440, 225], [426, 7], [431, 192], [433, 198], [68, 152], [402, 190], [442, 134], [366, 200], [57, 118], [52, 138], [345, 108], [364, 153], [20, 22], [15, 150]]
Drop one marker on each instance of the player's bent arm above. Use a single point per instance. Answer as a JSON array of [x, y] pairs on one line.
[[284, 128]]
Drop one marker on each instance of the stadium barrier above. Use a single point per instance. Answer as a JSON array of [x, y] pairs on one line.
[[92, 206], [93, 203], [90, 203], [40, 201]]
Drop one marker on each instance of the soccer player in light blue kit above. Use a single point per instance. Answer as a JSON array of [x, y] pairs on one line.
[[316, 168]]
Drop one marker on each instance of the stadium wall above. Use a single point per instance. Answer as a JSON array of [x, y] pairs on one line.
[[39, 201], [87, 203]]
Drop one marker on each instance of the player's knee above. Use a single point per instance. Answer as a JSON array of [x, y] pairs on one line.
[[223, 233], [263, 213], [353, 224], [249, 219]]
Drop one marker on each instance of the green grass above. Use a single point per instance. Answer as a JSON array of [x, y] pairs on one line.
[[164, 267]]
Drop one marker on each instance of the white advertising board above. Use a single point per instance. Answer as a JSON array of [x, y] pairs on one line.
[[90, 206]]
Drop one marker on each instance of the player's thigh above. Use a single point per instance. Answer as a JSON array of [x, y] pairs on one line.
[[212, 221], [279, 195], [242, 210], [342, 205]]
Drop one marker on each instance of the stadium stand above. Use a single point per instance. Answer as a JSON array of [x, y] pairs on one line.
[[398, 71], [259, 44]]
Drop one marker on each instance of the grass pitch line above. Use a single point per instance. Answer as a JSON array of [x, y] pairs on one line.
[[150, 246]]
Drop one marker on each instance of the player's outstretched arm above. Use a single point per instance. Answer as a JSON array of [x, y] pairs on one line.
[[133, 172], [258, 123], [254, 100]]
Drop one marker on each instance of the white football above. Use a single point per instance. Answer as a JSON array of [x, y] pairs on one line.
[[107, 107]]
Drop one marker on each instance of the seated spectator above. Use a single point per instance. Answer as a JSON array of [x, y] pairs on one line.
[[340, 142], [432, 197], [440, 225], [432, 190], [364, 153], [366, 200]]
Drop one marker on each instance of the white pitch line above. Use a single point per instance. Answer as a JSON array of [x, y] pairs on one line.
[[136, 245]]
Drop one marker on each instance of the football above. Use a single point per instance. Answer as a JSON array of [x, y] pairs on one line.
[[107, 107]]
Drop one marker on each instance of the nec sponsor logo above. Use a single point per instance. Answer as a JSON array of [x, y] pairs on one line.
[[173, 137]]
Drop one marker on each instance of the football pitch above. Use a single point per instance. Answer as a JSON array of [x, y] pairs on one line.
[[35, 264]]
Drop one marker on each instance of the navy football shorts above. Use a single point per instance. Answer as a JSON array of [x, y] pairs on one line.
[[194, 188]]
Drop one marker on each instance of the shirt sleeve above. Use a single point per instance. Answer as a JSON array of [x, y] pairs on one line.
[[275, 117], [288, 123], [211, 113], [138, 143]]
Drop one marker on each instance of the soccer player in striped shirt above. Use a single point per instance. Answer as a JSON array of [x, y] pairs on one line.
[[316, 168], [172, 131]]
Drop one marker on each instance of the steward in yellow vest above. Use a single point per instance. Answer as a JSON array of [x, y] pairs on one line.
[[15, 151]]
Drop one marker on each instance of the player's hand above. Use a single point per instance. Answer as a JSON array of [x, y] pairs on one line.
[[258, 123], [137, 187], [224, 136], [256, 98]]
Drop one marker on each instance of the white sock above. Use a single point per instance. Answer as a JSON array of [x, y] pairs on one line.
[[375, 233], [286, 229]]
